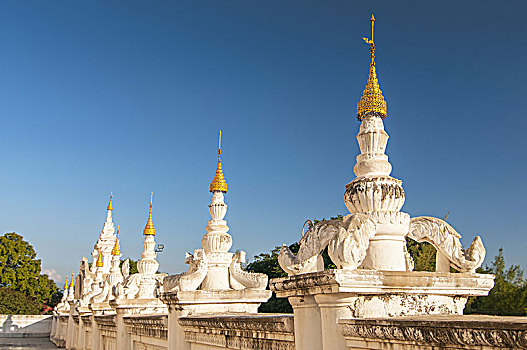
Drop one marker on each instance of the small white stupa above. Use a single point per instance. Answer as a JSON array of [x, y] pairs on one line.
[[215, 281]]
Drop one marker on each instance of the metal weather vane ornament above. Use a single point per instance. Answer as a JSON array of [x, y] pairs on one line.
[[372, 101]]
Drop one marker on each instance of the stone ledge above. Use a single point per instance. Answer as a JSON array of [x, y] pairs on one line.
[[383, 282], [106, 323], [155, 326], [255, 322], [420, 332], [241, 331], [216, 297], [86, 320]]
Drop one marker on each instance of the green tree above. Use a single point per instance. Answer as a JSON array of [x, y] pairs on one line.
[[424, 255], [509, 295], [133, 265], [13, 302], [20, 269], [268, 264], [56, 298]]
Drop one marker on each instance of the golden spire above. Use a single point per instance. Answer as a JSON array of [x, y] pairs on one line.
[[66, 283], [99, 260], [219, 183], [371, 101], [72, 284], [116, 250], [110, 204], [149, 228]]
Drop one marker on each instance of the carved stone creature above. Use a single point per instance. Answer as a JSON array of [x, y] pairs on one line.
[[125, 269], [240, 279], [95, 289], [103, 295], [347, 241], [445, 239], [191, 279], [130, 288]]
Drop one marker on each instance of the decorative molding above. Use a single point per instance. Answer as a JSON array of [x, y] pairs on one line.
[[259, 322], [369, 194], [241, 332], [461, 331], [390, 217], [368, 282], [107, 324], [86, 320], [149, 326]]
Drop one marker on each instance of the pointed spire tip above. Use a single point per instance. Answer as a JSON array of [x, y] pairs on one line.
[[218, 182], [372, 101], [149, 228], [110, 207]]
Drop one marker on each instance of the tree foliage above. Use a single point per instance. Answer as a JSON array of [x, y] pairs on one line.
[[13, 302], [133, 265], [424, 255], [267, 263], [20, 270], [509, 295]]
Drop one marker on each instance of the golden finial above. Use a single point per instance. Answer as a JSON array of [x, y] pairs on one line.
[[99, 260], [219, 183], [149, 228], [110, 204], [372, 101], [116, 250], [66, 283], [72, 284]]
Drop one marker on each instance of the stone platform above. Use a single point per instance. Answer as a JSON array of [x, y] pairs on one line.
[[26, 344]]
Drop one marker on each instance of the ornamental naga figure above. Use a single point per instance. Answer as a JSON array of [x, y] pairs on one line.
[[373, 235]]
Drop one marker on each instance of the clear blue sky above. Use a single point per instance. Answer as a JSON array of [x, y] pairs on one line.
[[129, 96]]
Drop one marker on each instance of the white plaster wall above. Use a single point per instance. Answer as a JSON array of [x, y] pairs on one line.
[[108, 343], [195, 346], [25, 325], [147, 343]]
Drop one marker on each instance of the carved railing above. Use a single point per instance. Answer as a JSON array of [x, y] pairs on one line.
[[154, 326], [452, 332], [258, 331]]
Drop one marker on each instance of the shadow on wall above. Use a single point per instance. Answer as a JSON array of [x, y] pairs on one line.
[[25, 325]]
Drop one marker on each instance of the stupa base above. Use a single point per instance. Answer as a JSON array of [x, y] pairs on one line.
[[321, 299]]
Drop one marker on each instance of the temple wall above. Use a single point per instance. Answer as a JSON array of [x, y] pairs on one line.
[[276, 331], [436, 332], [256, 331], [25, 326], [60, 330], [86, 339], [107, 326], [147, 332], [253, 331]]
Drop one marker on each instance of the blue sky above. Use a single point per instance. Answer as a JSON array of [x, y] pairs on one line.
[[107, 96]]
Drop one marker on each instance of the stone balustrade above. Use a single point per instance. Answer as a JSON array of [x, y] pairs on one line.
[[147, 332], [261, 331], [219, 331], [436, 332], [276, 331]]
